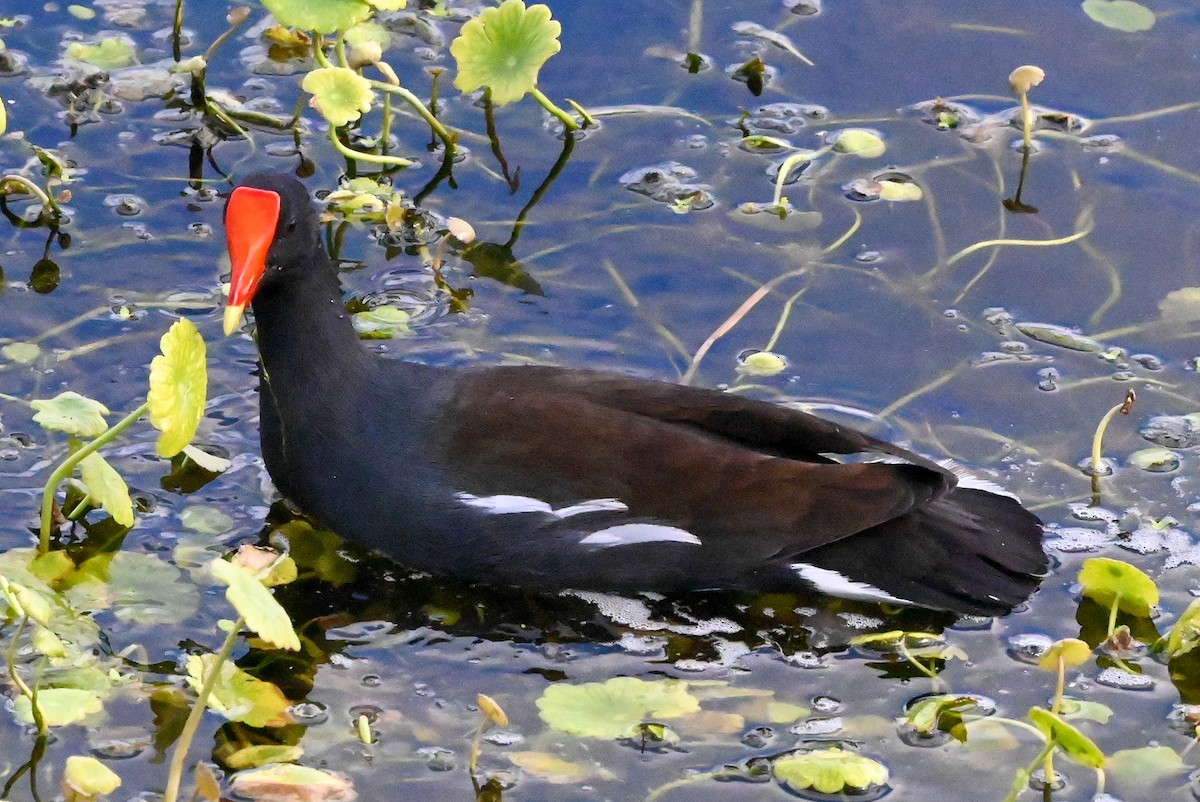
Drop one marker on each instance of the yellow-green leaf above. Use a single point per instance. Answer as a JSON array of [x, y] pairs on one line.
[[1105, 580], [340, 94], [1185, 635], [286, 781], [59, 706], [178, 386], [1072, 651], [89, 777], [504, 48], [322, 16], [72, 413], [553, 769], [860, 142], [829, 771], [1120, 15], [107, 54], [1078, 746], [253, 602], [613, 709], [251, 757], [237, 695], [106, 488]]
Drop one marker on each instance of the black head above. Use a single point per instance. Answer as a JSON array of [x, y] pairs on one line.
[[272, 232]]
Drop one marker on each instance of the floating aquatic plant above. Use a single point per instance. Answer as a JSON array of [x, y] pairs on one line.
[[503, 49]]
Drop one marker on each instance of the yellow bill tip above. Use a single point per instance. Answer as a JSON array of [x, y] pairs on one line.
[[233, 318]]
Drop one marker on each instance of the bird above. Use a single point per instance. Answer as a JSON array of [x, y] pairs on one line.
[[554, 478]]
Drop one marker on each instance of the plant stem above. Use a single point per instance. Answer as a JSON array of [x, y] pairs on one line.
[[1098, 439], [10, 657], [373, 158], [68, 465], [549, 106], [179, 755], [1060, 686], [1026, 122], [177, 31], [420, 108]]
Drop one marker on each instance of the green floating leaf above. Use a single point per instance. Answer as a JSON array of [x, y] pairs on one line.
[[1078, 746], [1146, 765], [1155, 459], [178, 387], [1105, 580], [829, 771], [21, 353], [25, 601], [206, 520], [237, 695], [89, 777], [762, 364], [369, 33], [1072, 708], [72, 413], [251, 757], [253, 602], [59, 706], [107, 54], [928, 714], [504, 48], [322, 16], [1072, 651], [382, 322], [136, 587], [1120, 15], [892, 190], [209, 462], [339, 93], [553, 769], [1181, 305], [1185, 635], [286, 781], [860, 142], [106, 488], [616, 708]]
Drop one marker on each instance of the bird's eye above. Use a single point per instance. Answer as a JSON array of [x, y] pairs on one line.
[[291, 226]]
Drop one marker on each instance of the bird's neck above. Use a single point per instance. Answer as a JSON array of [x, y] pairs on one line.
[[305, 337]]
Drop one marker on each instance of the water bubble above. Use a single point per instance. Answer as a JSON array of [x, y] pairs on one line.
[[758, 737], [126, 205], [309, 713], [1028, 647], [827, 704]]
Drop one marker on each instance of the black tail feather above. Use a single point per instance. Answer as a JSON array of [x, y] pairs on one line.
[[971, 552]]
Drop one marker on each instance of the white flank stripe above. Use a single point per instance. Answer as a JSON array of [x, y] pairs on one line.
[[595, 505], [632, 534], [834, 584], [505, 504]]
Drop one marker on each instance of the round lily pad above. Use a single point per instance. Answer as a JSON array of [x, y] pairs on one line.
[[616, 708], [829, 771], [339, 93], [1106, 580], [504, 48]]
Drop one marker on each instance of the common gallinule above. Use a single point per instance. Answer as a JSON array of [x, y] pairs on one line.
[[553, 478]]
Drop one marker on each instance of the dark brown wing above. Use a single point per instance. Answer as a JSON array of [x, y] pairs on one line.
[[751, 472]]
